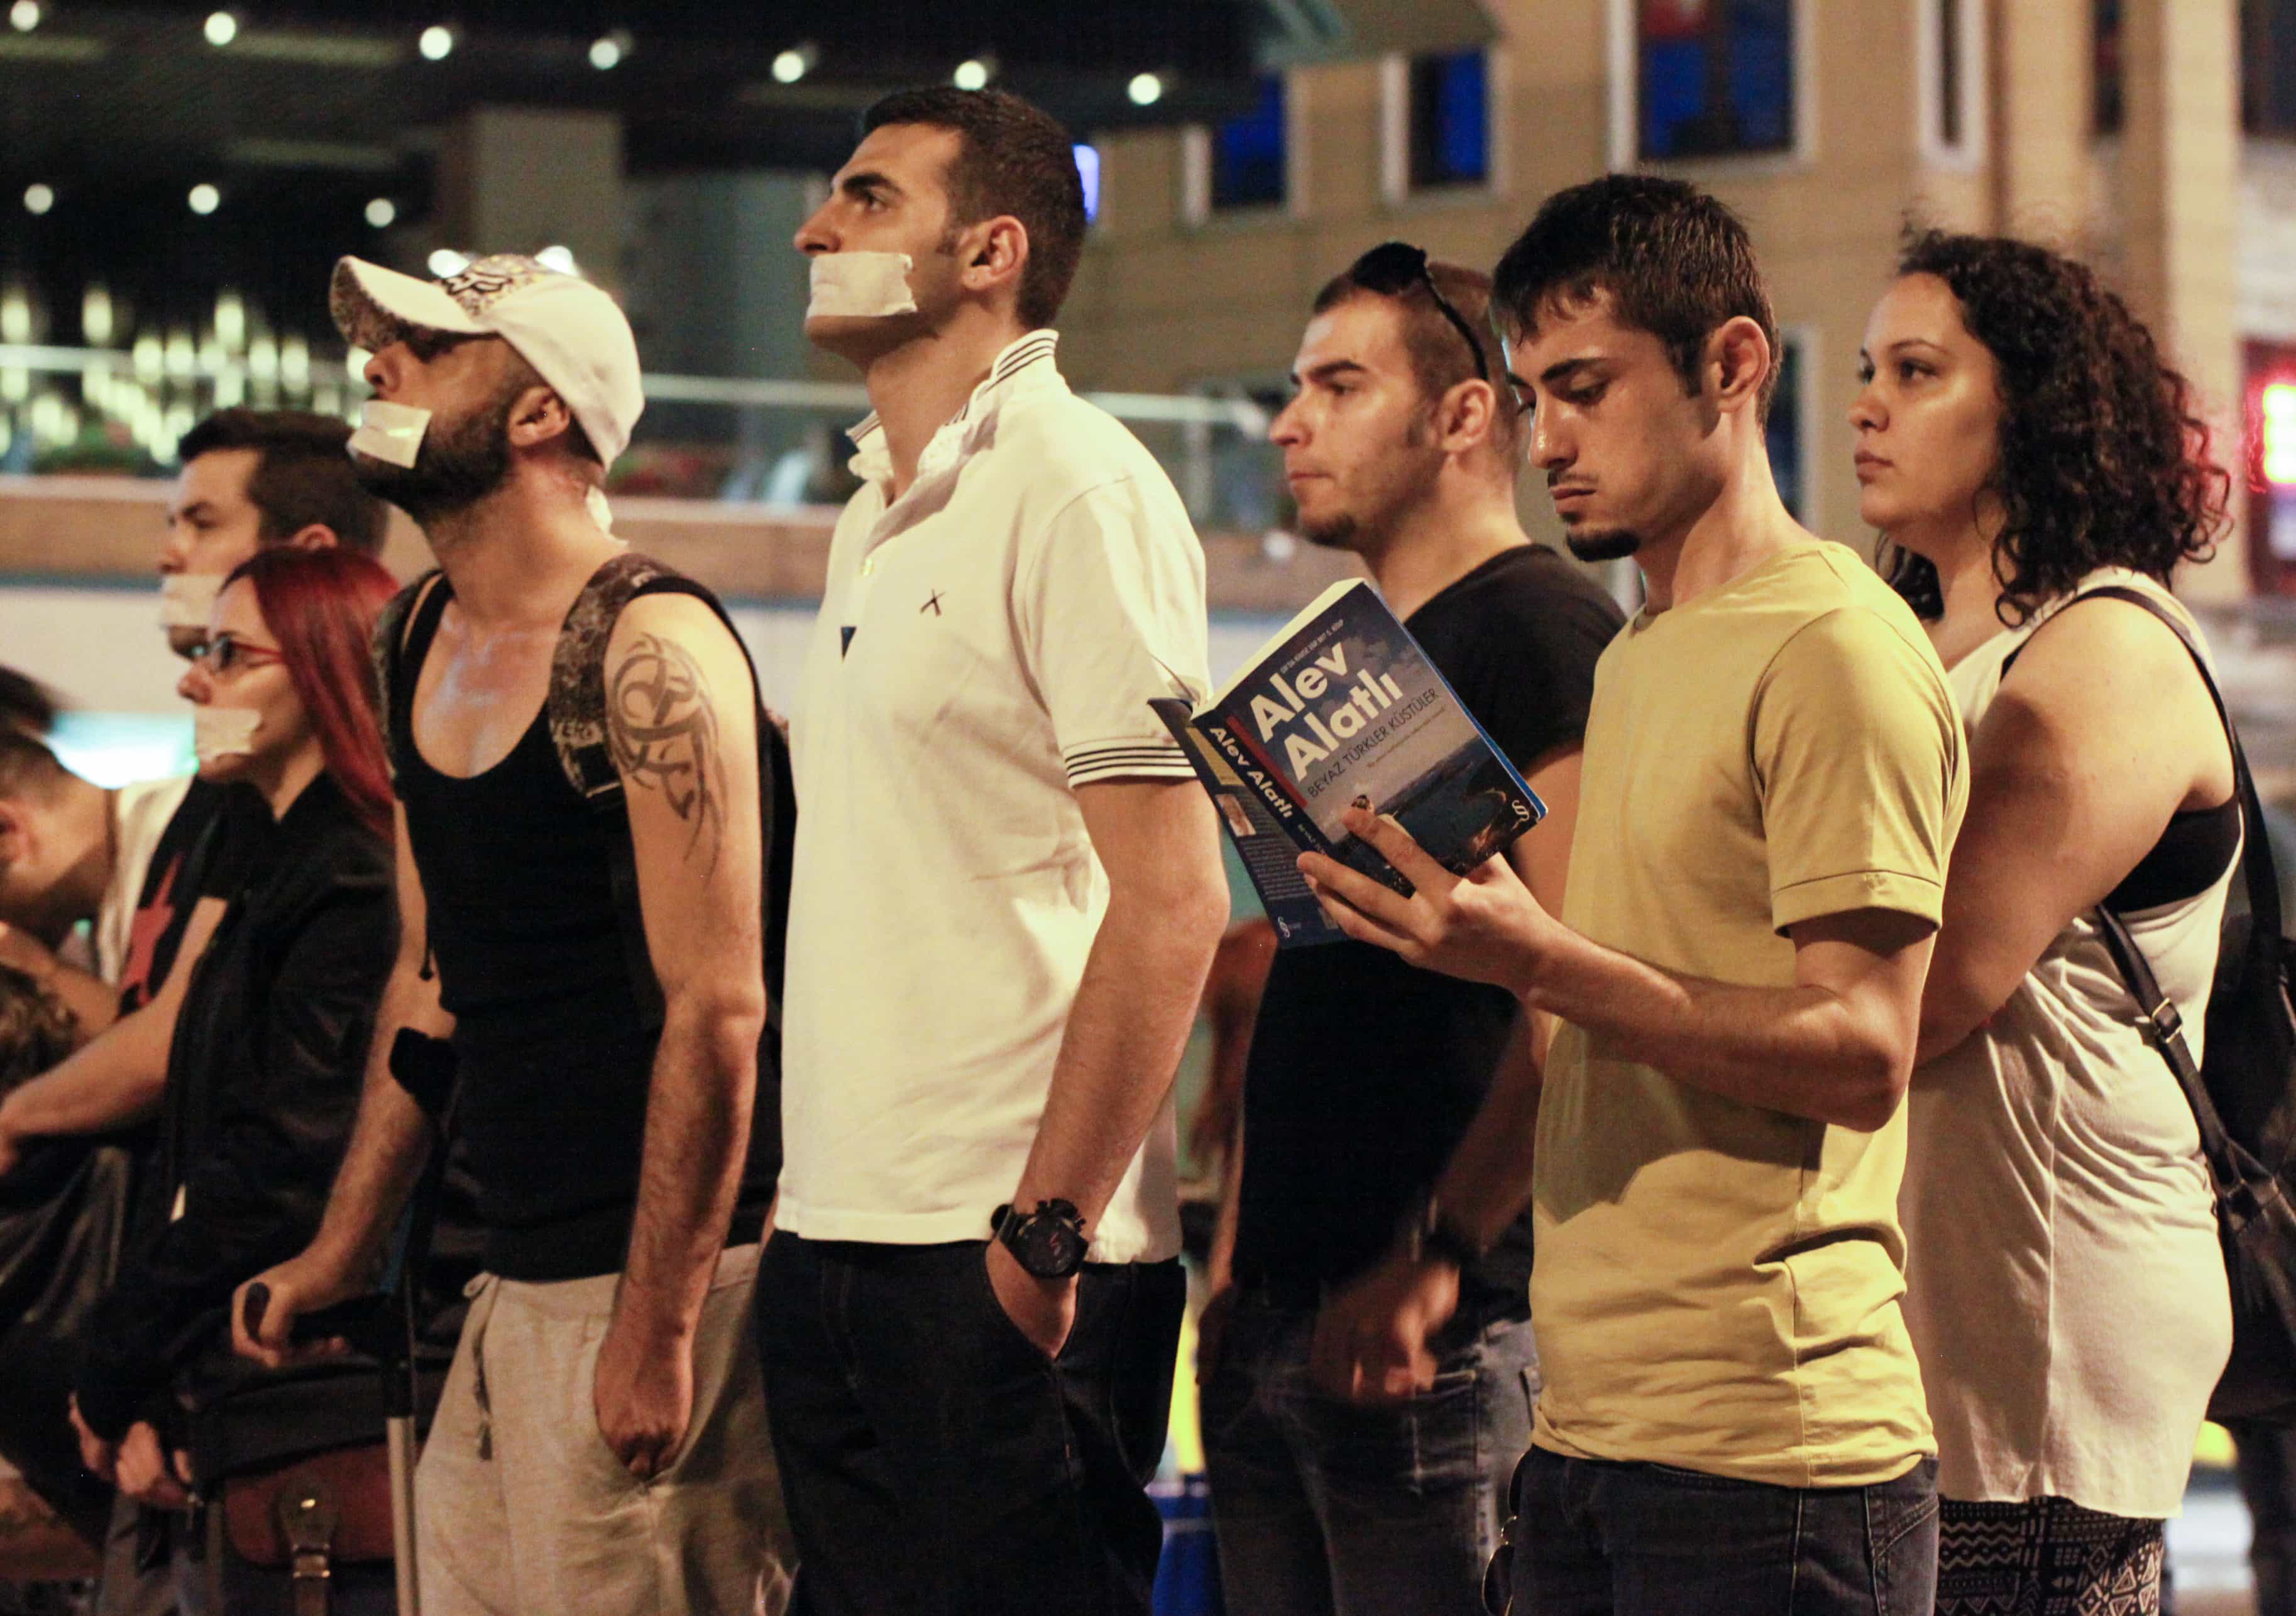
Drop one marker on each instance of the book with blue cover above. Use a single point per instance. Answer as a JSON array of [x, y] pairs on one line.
[[1342, 707]]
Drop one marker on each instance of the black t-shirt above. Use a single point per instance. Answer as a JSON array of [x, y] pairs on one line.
[[1365, 1071], [207, 849]]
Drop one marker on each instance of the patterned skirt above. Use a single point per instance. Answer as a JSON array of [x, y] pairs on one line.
[[2045, 1557]]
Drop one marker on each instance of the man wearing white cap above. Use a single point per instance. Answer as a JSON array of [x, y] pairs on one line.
[[599, 958], [1008, 891]]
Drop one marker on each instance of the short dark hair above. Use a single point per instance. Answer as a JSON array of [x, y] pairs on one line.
[[1012, 158], [1674, 261], [25, 703], [303, 475], [1440, 358], [521, 375], [37, 1030], [2104, 457], [28, 769]]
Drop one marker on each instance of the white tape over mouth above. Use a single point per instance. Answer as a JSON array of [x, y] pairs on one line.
[[224, 732], [390, 431], [860, 285], [185, 598]]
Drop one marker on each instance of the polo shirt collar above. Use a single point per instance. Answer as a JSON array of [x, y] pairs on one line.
[[1025, 365]]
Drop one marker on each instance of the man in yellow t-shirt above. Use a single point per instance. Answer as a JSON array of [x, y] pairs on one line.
[[1733, 1419]]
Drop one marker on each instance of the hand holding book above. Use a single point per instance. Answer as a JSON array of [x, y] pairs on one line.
[[1484, 926], [1342, 712]]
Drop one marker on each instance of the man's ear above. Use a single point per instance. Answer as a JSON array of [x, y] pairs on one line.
[[1466, 415], [996, 253], [315, 536], [15, 834], [1739, 357], [537, 416]]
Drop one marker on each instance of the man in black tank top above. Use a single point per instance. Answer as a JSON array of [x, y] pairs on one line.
[[608, 1044]]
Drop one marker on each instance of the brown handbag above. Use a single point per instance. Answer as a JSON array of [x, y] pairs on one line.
[[352, 1483]]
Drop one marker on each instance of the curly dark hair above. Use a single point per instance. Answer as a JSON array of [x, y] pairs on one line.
[[2104, 460], [37, 1028]]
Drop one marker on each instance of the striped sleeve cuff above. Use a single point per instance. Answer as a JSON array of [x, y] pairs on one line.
[[1143, 758]]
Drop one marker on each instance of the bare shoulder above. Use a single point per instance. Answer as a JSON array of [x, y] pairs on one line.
[[2107, 664], [685, 621]]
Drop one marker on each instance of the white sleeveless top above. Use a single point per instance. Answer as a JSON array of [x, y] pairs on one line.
[[2065, 1289]]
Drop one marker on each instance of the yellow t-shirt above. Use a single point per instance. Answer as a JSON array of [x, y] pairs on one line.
[[1717, 1285]]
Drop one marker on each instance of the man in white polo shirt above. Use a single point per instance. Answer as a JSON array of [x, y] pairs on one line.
[[1007, 892]]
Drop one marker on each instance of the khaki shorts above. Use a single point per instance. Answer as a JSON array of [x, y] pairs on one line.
[[522, 1507]]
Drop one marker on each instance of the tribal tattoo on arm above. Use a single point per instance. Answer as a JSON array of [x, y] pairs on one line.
[[663, 733]]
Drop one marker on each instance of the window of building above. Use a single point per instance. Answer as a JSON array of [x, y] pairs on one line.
[[1448, 121], [1951, 40], [2268, 67], [1249, 153], [1714, 78], [2107, 102], [2271, 455], [1087, 162], [1951, 87]]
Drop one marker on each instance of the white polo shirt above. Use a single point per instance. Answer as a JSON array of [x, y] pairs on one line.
[[988, 643]]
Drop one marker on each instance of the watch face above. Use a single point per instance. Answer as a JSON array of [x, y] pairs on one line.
[[1050, 1248]]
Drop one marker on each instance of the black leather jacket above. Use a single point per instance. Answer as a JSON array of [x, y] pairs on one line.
[[263, 1083]]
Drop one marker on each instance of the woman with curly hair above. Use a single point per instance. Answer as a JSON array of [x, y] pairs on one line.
[[2022, 444]]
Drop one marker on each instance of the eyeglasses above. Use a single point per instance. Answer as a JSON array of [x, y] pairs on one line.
[[1393, 267], [225, 654]]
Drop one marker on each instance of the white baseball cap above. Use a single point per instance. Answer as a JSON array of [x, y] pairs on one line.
[[574, 335]]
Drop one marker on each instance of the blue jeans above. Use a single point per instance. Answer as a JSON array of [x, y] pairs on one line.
[[1329, 1508], [1595, 1539]]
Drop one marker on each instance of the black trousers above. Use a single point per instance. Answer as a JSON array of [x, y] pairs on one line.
[[936, 1461]]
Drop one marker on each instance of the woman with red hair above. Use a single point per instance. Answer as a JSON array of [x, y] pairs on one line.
[[270, 1047]]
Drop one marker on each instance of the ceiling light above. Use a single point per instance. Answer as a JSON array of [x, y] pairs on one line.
[[38, 198], [795, 62], [381, 213], [558, 258], [446, 262], [1146, 89], [606, 53], [971, 74], [437, 43], [204, 199], [222, 28], [24, 16]]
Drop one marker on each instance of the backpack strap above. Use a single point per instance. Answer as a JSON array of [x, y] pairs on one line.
[[577, 709], [2262, 880], [2163, 1024]]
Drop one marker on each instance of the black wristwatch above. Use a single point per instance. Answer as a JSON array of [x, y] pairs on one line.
[[1049, 1243], [1433, 1235]]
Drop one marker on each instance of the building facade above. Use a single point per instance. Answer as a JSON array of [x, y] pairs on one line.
[[2114, 129]]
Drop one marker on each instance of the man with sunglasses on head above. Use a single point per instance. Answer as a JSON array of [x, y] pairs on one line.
[[1401, 445]]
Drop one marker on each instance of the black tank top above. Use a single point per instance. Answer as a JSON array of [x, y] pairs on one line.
[[555, 1056]]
